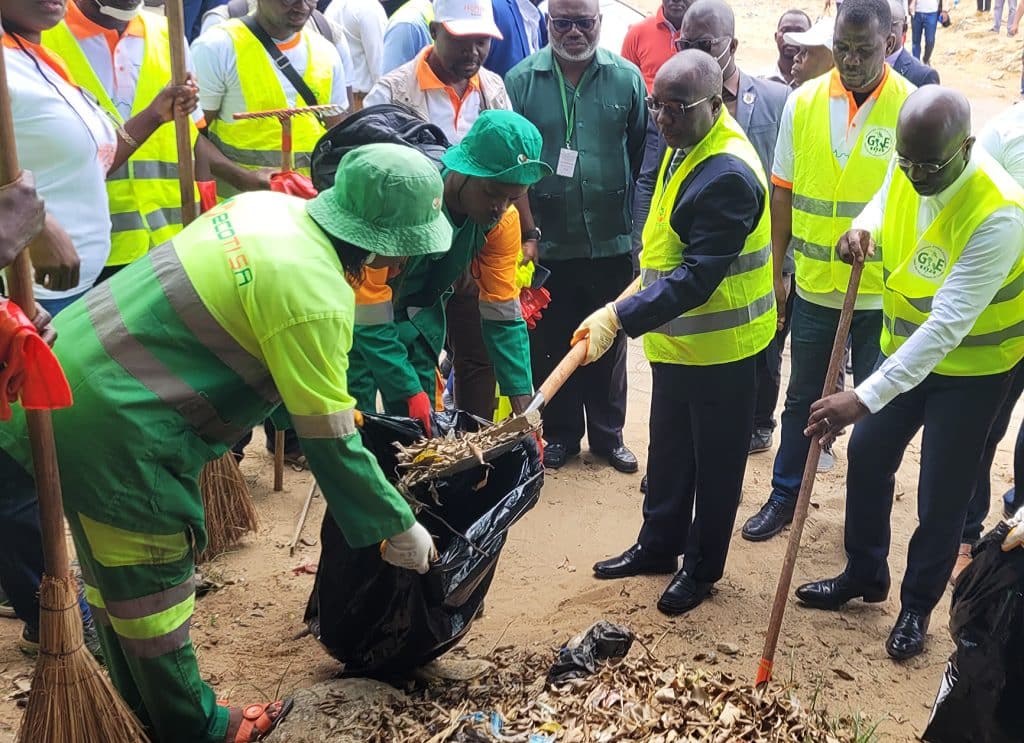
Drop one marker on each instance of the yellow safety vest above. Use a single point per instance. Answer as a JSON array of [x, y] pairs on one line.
[[738, 320], [826, 197], [256, 143], [916, 265], [144, 195]]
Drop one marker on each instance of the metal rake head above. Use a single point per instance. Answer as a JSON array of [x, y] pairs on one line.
[[282, 114]]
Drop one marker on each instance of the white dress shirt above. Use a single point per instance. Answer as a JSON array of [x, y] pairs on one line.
[[363, 22], [986, 261]]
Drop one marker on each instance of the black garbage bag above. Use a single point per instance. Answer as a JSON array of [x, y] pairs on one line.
[[381, 620], [981, 695], [580, 655]]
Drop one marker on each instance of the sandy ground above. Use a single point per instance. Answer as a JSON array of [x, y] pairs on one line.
[[544, 592]]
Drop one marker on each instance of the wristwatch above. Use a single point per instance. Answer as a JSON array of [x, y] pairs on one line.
[[533, 234]]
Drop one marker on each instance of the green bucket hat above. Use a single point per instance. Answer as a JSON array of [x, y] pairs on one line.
[[386, 199], [501, 145]]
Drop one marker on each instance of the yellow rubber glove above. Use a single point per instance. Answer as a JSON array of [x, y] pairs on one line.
[[599, 331], [1016, 536]]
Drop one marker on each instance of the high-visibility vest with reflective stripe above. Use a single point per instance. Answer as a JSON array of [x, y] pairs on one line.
[[916, 265], [256, 143], [738, 320], [827, 198], [144, 194]]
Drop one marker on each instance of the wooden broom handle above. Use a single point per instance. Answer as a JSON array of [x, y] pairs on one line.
[[182, 131], [40, 427], [771, 640], [576, 356]]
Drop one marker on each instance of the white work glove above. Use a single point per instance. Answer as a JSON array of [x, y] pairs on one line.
[[1016, 536], [413, 549], [599, 331]]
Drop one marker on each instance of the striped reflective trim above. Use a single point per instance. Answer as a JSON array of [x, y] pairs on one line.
[[139, 361], [155, 604], [508, 309], [413, 311], [161, 218], [330, 426], [146, 170], [96, 605], [257, 158], [154, 625], [722, 320], [113, 547], [157, 219], [903, 328], [823, 208], [1011, 291], [126, 222], [743, 264], [378, 313], [182, 296], [154, 647], [818, 252]]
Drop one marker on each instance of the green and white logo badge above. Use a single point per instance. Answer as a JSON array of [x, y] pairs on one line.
[[879, 141], [930, 261]]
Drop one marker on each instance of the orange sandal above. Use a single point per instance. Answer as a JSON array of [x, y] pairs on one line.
[[256, 719]]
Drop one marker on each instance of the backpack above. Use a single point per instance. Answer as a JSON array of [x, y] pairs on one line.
[[387, 122], [239, 8]]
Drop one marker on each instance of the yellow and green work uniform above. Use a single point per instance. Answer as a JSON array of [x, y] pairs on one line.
[[169, 363], [144, 194]]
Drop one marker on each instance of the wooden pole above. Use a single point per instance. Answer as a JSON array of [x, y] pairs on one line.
[[771, 640], [278, 461], [301, 522], [182, 130]]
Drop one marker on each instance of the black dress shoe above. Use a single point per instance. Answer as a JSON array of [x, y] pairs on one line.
[[643, 485], [773, 517], [556, 455], [832, 593], [907, 637], [635, 561], [621, 459], [683, 594]]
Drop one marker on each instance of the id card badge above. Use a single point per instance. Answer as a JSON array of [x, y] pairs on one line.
[[566, 162]]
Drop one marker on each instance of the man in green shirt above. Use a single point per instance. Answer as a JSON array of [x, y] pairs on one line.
[[588, 104]]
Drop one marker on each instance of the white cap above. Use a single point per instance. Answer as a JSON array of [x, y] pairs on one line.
[[820, 34], [467, 17]]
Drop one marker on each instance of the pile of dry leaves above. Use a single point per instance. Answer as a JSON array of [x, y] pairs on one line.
[[635, 699]]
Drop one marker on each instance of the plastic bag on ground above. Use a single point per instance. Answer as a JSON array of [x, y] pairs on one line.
[[981, 692], [380, 620], [580, 655]]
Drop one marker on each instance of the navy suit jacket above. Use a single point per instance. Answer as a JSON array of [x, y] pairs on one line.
[[515, 47], [915, 70]]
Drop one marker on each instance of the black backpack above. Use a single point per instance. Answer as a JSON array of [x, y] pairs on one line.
[[388, 122]]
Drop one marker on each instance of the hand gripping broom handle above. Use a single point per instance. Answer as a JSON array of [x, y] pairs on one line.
[[182, 134], [40, 427], [771, 640]]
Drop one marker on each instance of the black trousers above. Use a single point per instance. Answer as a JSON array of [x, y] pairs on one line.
[[475, 383], [956, 413], [769, 371], [701, 419], [594, 398]]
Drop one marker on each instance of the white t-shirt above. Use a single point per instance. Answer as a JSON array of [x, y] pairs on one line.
[[217, 70], [531, 22], [363, 23], [68, 143], [926, 6]]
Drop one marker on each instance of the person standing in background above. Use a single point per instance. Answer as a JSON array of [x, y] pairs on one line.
[[523, 31], [924, 19], [407, 33], [363, 23], [651, 42], [997, 16], [792, 21], [900, 59], [814, 57]]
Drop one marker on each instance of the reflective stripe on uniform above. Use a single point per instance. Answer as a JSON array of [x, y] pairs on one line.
[[1013, 290], [184, 298], [155, 220], [330, 426], [113, 547], [903, 328], [377, 313], [257, 158], [823, 208], [145, 170], [817, 252], [154, 625], [148, 370], [508, 309], [742, 264], [723, 320]]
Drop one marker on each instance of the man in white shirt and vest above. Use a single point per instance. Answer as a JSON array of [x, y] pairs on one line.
[[950, 223], [835, 141]]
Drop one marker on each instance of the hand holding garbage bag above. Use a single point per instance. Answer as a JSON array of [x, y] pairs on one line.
[[1016, 536], [413, 549]]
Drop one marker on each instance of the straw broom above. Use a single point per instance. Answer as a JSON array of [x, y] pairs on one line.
[[71, 698]]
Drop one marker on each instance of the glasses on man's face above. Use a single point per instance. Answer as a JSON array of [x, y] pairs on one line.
[[927, 168], [705, 45], [564, 25], [675, 109]]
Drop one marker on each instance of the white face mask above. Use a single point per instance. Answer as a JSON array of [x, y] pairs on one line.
[[119, 14]]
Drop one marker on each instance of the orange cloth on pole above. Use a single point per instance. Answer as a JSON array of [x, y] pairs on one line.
[[28, 368]]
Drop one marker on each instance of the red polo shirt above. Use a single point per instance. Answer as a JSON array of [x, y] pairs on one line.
[[648, 44]]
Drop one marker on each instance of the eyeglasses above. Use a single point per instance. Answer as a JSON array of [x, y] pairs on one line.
[[672, 108], [928, 168], [564, 25], [705, 45]]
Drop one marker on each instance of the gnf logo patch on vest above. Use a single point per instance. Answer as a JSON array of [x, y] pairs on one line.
[[929, 262], [879, 141]]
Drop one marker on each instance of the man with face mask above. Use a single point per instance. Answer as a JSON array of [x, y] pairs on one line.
[[952, 223], [120, 54], [835, 142], [705, 311], [792, 21]]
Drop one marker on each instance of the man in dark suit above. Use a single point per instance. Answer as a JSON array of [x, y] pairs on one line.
[[524, 29], [900, 59]]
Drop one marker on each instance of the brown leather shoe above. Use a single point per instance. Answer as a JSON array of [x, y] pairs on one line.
[[963, 559]]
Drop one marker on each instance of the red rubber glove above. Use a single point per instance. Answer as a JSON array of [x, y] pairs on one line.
[[292, 183], [420, 409], [28, 368]]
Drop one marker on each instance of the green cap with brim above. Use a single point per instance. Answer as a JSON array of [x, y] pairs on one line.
[[386, 199], [501, 145]]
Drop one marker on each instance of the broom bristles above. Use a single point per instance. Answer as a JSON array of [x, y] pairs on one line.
[[230, 513], [72, 699]]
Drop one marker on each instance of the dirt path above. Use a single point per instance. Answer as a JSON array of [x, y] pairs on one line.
[[544, 592]]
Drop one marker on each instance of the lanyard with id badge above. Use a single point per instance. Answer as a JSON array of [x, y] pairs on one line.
[[566, 155]]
